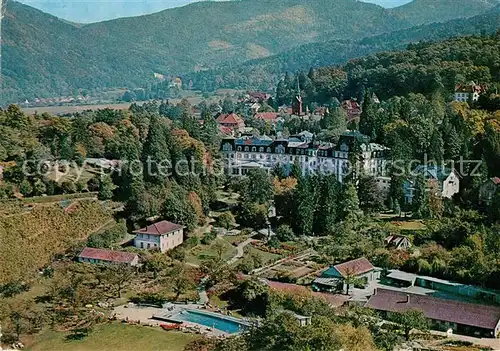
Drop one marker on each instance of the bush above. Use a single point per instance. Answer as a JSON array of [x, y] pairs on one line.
[[191, 242], [285, 233], [109, 237], [209, 237]]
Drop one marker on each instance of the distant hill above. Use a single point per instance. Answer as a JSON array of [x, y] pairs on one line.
[[264, 73], [88, 11], [45, 56], [425, 11]]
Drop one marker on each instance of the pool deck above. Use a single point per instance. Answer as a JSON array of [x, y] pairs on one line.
[[153, 316]]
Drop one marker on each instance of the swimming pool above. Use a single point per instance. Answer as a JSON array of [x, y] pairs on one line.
[[212, 320]]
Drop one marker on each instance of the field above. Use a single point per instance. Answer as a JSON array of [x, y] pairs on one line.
[[114, 336], [193, 97], [31, 238]]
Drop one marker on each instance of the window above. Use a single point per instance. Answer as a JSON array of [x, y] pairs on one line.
[[245, 156], [227, 147], [149, 245], [268, 149], [254, 149], [280, 149], [239, 148], [261, 149], [142, 245], [246, 148]]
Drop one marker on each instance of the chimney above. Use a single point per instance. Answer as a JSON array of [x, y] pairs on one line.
[[407, 298]]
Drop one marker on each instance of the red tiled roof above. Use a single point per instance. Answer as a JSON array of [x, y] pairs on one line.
[[160, 228], [225, 130], [107, 255], [495, 180], [464, 313], [356, 267], [267, 116], [231, 118]]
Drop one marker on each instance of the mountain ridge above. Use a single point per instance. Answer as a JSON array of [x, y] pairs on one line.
[[44, 56]]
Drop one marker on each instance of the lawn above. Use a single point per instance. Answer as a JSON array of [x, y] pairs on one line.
[[115, 336], [202, 252], [267, 257], [408, 225]]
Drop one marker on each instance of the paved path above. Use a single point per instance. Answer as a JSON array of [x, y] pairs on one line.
[[493, 343], [240, 251]]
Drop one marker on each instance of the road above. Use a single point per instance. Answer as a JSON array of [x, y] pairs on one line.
[[240, 251]]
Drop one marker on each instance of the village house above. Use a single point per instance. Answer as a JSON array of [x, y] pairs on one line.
[[398, 242], [162, 235], [352, 108], [231, 121], [460, 317], [445, 180], [468, 92], [488, 189], [270, 117], [341, 277], [104, 256]]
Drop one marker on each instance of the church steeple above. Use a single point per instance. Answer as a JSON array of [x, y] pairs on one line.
[[297, 102]]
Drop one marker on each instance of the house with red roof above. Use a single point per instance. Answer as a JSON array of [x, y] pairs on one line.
[[231, 121], [461, 317], [104, 256], [352, 108], [162, 235], [339, 278], [270, 117], [468, 92]]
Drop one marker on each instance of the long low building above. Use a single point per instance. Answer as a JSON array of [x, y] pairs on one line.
[[93, 255], [461, 317]]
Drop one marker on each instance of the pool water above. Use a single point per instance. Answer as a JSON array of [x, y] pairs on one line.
[[211, 320]]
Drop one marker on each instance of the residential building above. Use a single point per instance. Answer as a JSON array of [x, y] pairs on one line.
[[231, 121], [241, 154], [255, 107], [104, 256], [468, 92], [337, 278], [162, 235], [488, 190], [460, 317], [445, 180], [398, 242], [270, 117], [352, 108]]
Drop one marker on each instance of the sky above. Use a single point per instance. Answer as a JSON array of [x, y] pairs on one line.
[[86, 11]]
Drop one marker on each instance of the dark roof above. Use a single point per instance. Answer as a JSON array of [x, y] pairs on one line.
[[356, 267], [107, 255], [160, 228], [464, 313]]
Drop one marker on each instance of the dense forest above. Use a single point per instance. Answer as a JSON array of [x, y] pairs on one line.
[[44, 56]]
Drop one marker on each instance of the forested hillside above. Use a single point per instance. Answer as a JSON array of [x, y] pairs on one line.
[[44, 56], [264, 73], [425, 11]]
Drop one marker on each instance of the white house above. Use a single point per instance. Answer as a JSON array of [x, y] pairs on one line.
[[467, 92], [162, 235], [446, 179]]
